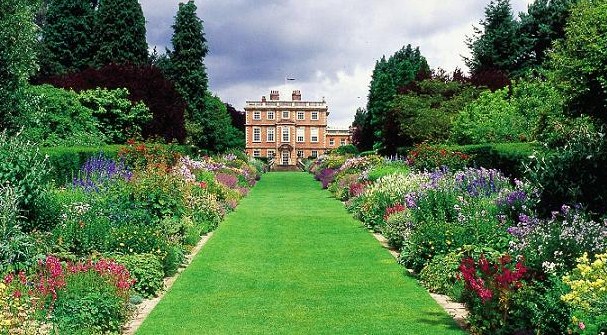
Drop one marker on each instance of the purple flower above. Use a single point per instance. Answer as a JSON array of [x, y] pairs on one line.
[[99, 170]]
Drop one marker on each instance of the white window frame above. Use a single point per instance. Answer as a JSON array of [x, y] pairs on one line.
[[314, 116], [256, 134], [314, 153], [271, 153], [301, 116], [285, 131], [301, 135], [270, 134], [286, 114], [300, 153], [270, 115], [256, 115], [314, 135], [331, 141], [256, 153], [342, 141]]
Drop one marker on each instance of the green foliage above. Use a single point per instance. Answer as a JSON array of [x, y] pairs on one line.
[[509, 158], [346, 150], [120, 33], [388, 77], [66, 161], [490, 119], [26, 171], [147, 271], [88, 304], [67, 37], [117, 117], [16, 247], [17, 56], [57, 117], [187, 70], [573, 173], [426, 111], [542, 25], [440, 275], [216, 133], [578, 62], [380, 170], [495, 46]]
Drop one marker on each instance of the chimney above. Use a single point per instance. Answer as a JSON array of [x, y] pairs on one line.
[[296, 95], [263, 98], [274, 95]]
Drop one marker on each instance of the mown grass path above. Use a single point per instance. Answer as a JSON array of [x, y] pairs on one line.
[[291, 260]]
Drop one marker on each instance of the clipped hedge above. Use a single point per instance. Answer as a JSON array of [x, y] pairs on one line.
[[506, 157], [66, 161]]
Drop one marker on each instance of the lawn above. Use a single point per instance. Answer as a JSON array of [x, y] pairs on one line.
[[291, 260]]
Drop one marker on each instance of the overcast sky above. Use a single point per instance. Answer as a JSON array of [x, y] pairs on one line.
[[328, 46]]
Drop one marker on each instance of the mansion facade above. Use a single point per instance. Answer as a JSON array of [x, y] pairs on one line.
[[288, 130]]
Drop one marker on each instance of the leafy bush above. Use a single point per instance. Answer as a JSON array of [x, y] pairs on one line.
[[16, 247], [381, 170], [56, 117], [440, 275], [573, 173], [425, 157], [26, 170], [117, 117], [509, 158], [147, 271]]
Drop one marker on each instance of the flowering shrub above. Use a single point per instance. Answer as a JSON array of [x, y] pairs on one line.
[[325, 176], [554, 244], [588, 296], [97, 171], [426, 157], [489, 286]]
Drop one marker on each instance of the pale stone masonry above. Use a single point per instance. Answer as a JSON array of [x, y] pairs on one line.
[[290, 129]]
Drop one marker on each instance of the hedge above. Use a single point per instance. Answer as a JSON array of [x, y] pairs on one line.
[[507, 157]]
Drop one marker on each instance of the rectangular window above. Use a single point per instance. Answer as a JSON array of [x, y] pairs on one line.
[[314, 153], [256, 153], [313, 134], [256, 134], [300, 153], [285, 114], [300, 116], [314, 115], [257, 115], [300, 134], [286, 136], [270, 135], [271, 153], [270, 115], [342, 141], [331, 142]]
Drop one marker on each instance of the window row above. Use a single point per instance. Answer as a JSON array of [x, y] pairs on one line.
[[285, 115], [342, 142], [272, 153], [300, 135]]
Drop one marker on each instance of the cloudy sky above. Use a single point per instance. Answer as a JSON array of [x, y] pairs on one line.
[[328, 46]]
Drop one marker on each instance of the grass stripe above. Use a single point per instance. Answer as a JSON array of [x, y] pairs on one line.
[[291, 260]]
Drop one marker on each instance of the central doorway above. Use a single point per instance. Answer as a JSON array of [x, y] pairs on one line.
[[285, 157]]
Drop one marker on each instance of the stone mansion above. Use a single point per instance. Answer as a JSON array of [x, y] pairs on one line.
[[288, 130]]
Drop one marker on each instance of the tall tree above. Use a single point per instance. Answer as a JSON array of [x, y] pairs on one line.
[[120, 33], [362, 135], [17, 54], [187, 70], [579, 62], [496, 45], [67, 37], [389, 77], [543, 24]]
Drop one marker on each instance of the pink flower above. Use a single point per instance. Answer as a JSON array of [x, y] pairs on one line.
[[582, 325]]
